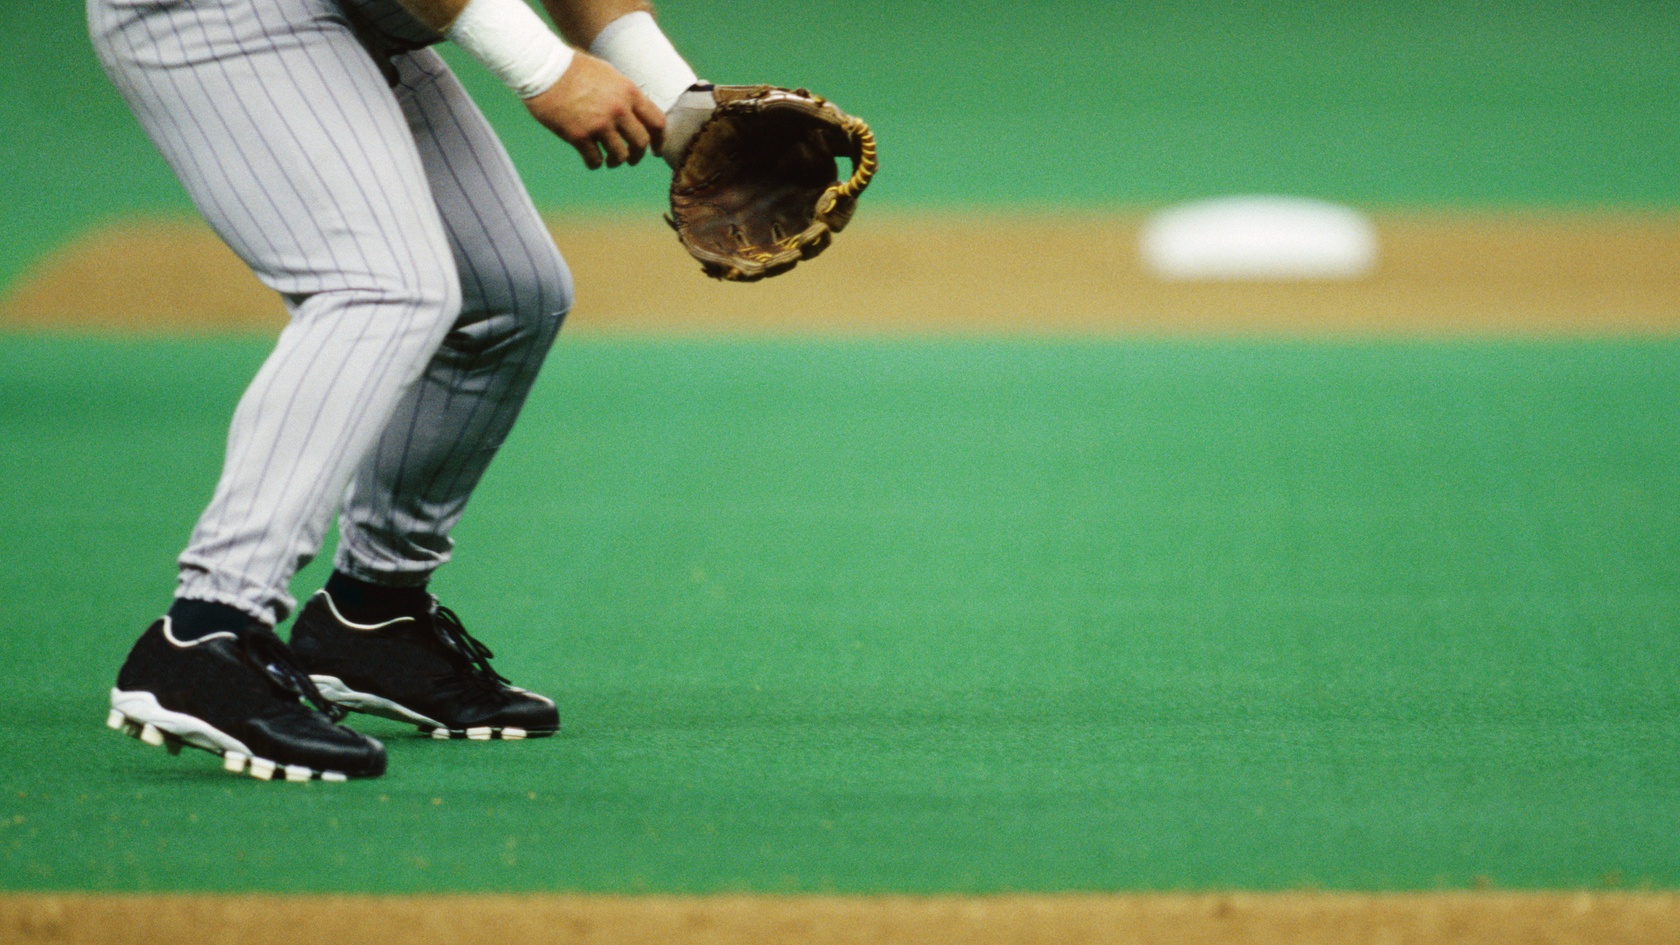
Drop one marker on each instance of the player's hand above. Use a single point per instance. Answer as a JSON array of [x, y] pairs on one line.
[[595, 109]]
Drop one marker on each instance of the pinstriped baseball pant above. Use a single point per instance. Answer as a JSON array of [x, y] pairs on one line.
[[422, 288]]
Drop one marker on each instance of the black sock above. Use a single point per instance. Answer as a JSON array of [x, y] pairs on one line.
[[361, 602], [191, 619]]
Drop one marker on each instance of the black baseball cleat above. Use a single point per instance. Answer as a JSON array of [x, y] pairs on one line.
[[242, 696], [423, 668]]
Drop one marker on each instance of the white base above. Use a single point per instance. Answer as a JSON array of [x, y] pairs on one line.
[[1259, 238]]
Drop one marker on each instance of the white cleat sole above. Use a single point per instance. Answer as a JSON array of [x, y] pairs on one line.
[[139, 716], [335, 690]]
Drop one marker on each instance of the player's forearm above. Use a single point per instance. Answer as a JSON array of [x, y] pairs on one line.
[[508, 39], [580, 21], [623, 32], [506, 36], [437, 14]]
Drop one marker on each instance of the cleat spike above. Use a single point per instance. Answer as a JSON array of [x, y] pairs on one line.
[[150, 734], [262, 769], [234, 761], [441, 734], [298, 773], [333, 776], [115, 720], [513, 734], [480, 734], [172, 744]]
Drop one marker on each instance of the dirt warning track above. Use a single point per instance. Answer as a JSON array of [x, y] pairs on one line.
[[1160, 919]]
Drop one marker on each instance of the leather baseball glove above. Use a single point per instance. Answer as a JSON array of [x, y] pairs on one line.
[[756, 185]]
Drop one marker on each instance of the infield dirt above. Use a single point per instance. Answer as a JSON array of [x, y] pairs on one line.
[[1066, 273]]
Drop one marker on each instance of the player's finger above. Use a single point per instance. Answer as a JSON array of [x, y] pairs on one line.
[[635, 135], [651, 118], [591, 153], [617, 150]]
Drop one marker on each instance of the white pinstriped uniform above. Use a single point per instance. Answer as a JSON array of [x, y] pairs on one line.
[[345, 164]]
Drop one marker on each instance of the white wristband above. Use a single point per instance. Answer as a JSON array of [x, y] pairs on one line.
[[637, 47], [513, 43]]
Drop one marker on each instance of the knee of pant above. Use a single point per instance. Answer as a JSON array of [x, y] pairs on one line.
[[421, 304], [513, 307], [540, 293], [437, 293], [427, 299]]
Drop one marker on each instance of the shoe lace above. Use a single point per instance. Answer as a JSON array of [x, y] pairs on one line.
[[466, 651], [275, 660]]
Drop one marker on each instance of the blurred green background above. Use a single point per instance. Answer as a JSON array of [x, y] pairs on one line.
[[1456, 102]]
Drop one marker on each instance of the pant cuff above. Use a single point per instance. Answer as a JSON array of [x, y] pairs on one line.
[[347, 564]]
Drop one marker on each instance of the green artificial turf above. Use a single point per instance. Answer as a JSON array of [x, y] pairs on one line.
[[925, 616]]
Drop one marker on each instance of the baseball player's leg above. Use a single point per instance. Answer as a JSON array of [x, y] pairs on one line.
[[411, 490], [286, 136], [414, 484]]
